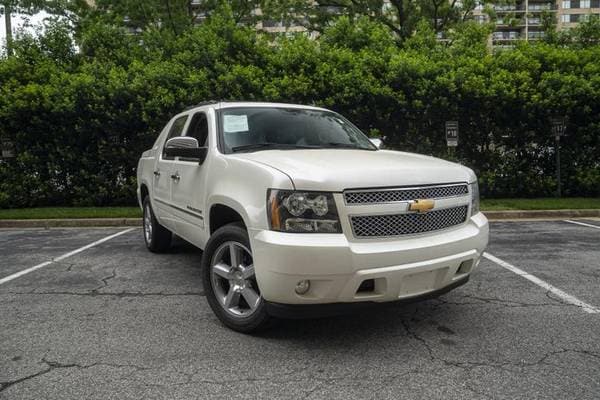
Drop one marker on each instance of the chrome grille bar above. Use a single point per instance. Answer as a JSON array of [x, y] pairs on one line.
[[406, 224], [358, 197]]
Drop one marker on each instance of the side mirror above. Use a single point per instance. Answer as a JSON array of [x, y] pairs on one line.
[[377, 142], [185, 147]]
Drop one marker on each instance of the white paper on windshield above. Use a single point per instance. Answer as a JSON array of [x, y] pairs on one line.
[[235, 123]]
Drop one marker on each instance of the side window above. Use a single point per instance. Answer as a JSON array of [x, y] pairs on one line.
[[176, 130], [198, 129]]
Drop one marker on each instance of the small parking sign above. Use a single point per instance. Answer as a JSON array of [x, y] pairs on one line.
[[8, 148], [452, 133], [558, 127]]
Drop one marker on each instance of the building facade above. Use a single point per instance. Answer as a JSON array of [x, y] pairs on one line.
[[523, 19]]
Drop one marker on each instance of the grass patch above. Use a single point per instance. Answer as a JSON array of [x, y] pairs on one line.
[[135, 212], [70, 212], [547, 203]]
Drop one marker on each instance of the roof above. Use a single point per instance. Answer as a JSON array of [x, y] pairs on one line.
[[234, 104]]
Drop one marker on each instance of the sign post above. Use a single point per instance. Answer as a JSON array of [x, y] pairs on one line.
[[558, 129]]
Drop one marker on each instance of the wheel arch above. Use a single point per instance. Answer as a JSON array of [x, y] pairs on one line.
[[224, 211], [143, 190]]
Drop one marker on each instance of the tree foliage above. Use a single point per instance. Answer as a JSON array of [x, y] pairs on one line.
[[81, 108]]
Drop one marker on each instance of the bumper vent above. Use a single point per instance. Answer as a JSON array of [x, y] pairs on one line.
[[407, 224], [395, 195]]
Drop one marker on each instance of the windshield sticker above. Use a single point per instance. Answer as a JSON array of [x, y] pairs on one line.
[[235, 123]]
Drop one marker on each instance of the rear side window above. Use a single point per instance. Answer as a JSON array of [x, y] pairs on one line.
[[176, 130]]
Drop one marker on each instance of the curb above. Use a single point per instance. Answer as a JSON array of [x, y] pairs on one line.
[[69, 223], [541, 214], [112, 222]]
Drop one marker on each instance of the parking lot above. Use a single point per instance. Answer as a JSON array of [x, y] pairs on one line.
[[115, 321]]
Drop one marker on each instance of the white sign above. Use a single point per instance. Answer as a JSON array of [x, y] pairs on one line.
[[452, 133], [558, 126], [235, 123], [7, 149]]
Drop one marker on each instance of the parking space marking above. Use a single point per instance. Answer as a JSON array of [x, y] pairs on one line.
[[582, 223], [60, 258], [564, 296]]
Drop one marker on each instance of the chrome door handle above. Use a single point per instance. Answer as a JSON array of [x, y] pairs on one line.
[[156, 173], [176, 176]]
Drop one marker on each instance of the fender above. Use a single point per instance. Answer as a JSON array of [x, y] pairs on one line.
[[217, 199]]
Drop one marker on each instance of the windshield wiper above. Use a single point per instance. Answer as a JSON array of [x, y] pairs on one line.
[[345, 146], [255, 146]]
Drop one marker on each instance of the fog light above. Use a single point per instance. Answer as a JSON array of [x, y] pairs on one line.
[[302, 286]]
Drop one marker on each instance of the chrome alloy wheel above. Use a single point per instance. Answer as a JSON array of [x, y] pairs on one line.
[[233, 279], [148, 223]]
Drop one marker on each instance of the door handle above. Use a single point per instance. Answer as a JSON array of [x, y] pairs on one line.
[[176, 176], [156, 173]]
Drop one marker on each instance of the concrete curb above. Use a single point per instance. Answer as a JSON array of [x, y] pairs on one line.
[[541, 214], [107, 222], [69, 223]]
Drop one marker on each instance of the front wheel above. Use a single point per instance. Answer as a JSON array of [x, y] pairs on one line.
[[230, 282]]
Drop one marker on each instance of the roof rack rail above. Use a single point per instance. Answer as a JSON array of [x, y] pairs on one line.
[[202, 103]]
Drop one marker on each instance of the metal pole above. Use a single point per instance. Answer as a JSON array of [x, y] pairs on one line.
[[8, 26], [558, 191], [527, 20]]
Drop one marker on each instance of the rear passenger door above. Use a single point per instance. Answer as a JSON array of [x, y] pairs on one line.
[[163, 182], [188, 194]]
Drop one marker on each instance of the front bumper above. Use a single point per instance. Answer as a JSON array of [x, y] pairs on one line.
[[299, 311], [400, 268]]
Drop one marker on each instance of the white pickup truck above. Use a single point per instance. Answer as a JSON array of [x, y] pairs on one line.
[[299, 214]]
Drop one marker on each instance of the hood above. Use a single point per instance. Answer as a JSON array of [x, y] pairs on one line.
[[335, 170]]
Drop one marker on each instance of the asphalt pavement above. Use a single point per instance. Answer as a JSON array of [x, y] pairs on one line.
[[115, 321]]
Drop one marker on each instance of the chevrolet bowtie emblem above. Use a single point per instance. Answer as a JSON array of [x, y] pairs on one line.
[[421, 205]]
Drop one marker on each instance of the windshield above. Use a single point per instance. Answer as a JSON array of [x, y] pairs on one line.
[[264, 128]]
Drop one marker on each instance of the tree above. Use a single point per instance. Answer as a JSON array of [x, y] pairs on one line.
[[400, 16], [63, 8]]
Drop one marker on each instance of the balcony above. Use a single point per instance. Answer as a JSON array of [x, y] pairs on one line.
[[519, 8]]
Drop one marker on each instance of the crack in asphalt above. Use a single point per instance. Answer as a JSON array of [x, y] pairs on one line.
[[469, 365], [53, 365], [106, 279], [502, 302], [284, 379]]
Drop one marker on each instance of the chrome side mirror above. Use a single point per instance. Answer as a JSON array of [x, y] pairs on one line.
[[185, 147]]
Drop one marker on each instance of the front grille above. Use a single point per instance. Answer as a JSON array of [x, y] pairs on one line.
[[407, 224], [395, 195]]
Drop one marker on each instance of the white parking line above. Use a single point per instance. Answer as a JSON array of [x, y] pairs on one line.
[[60, 258], [564, 296], [582, 223]]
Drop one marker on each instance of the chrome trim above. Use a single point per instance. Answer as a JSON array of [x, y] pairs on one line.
[[404, 188], [467, 216], [180, 209]]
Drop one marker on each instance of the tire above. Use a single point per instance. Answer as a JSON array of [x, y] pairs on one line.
[[157, 237], [233, 293]]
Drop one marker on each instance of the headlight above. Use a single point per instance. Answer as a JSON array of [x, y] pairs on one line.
[[474, 198], [297, 211]]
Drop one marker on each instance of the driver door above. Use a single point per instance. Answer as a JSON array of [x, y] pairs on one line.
[[187, 190], [162, 203]]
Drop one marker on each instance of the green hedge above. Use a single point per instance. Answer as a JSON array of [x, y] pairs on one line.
[[80, 119]]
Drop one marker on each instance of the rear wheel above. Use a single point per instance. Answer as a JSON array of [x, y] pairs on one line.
[[157, 237], [230, 281]]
